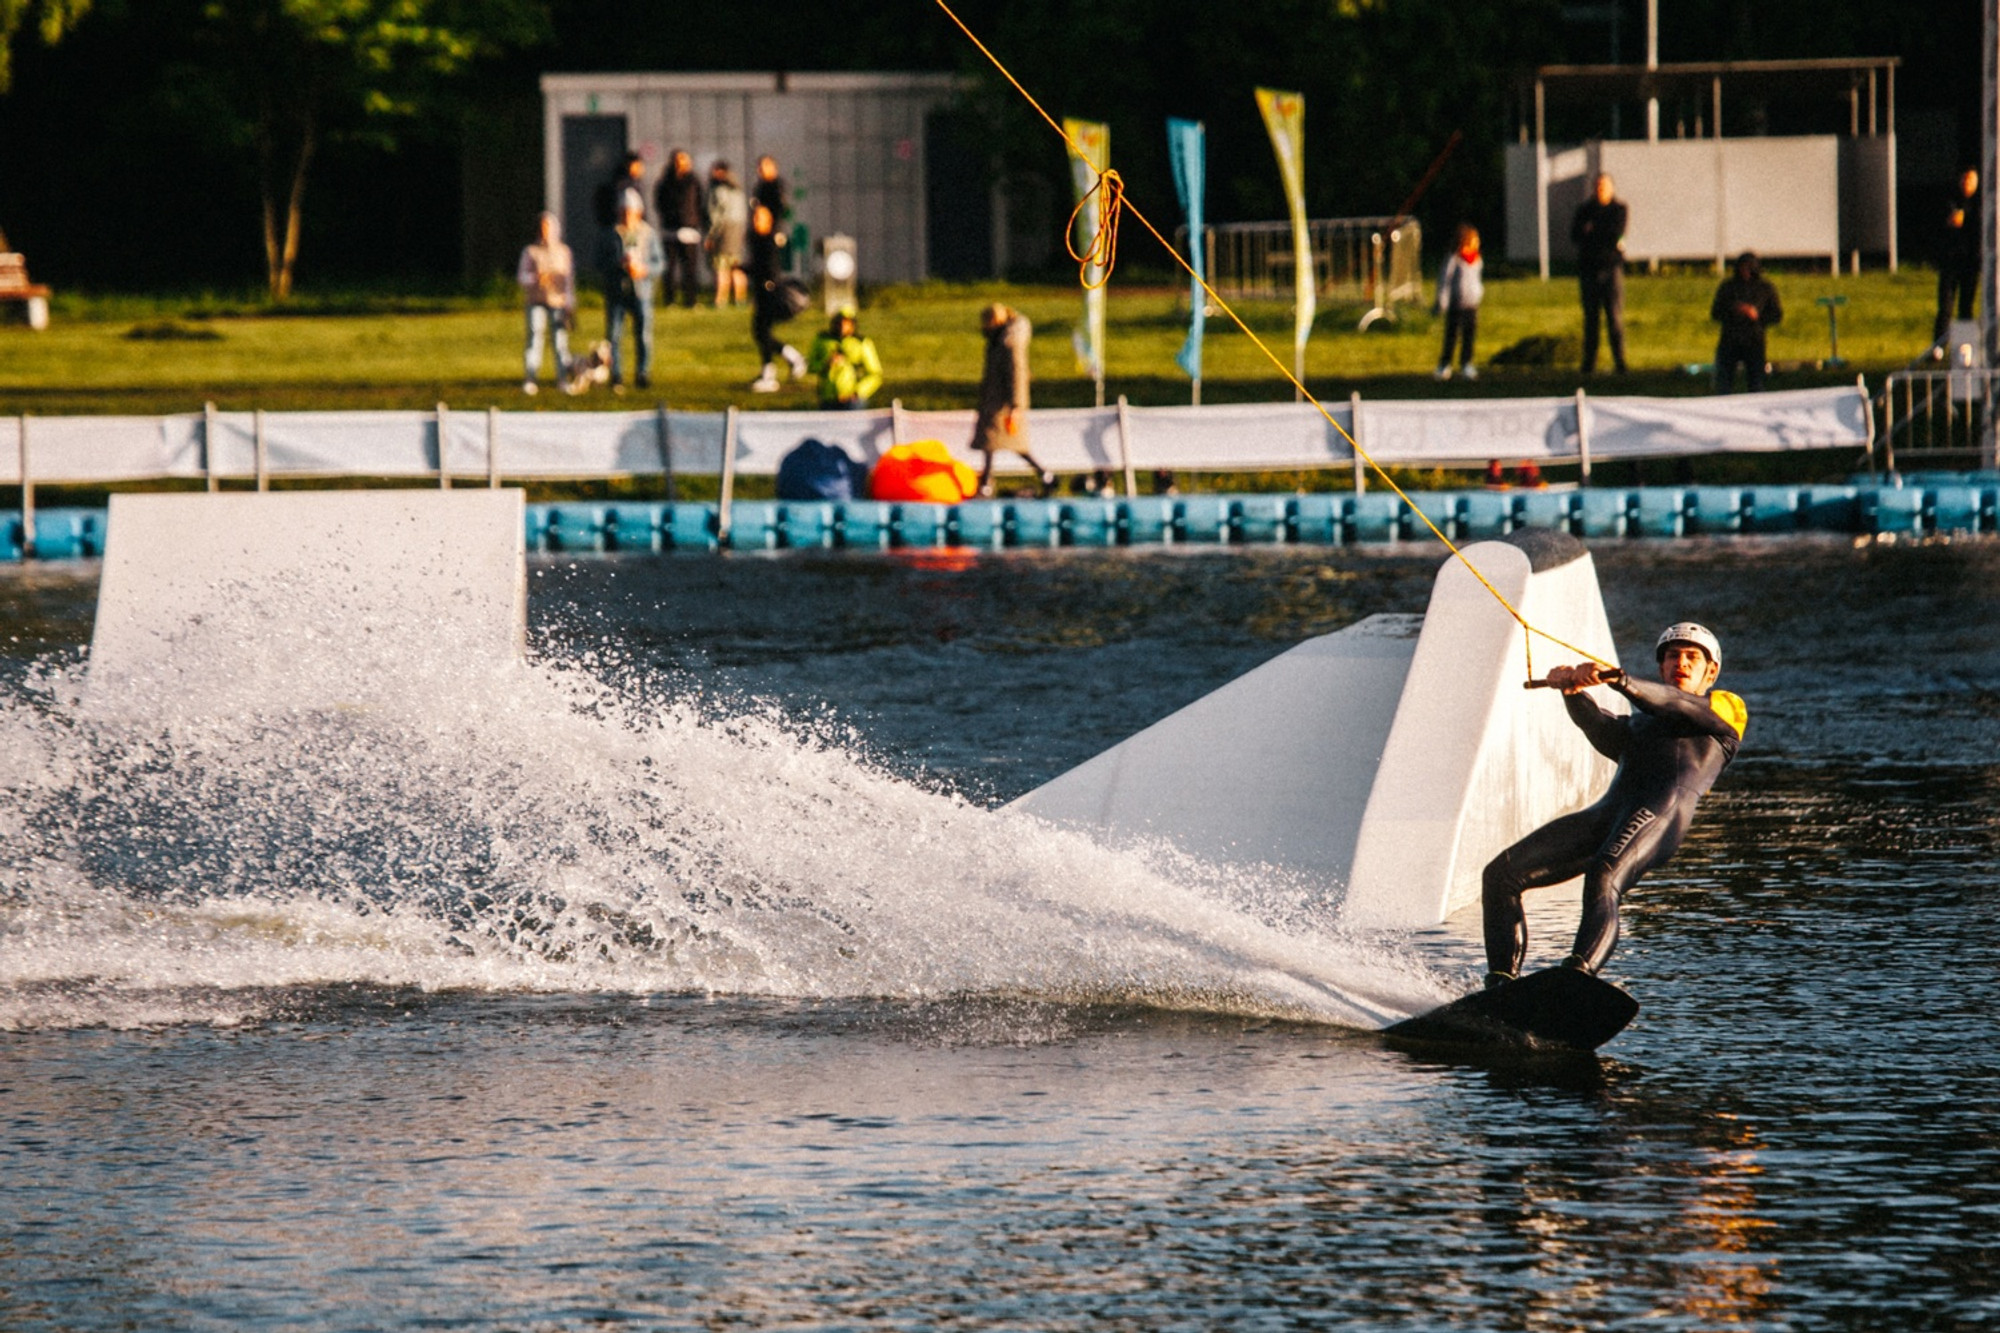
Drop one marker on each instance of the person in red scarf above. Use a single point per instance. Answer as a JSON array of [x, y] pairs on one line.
[[1460, 287]]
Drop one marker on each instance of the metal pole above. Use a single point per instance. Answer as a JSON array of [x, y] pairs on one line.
[[443, 431], [1542, 177], [662, 427], [1861, 383], [1652, 66], [1989, 181], [1360, 467], [728, 475], [1125, 450], [208, 445], [1582, 439], [492, 447], [263, 456], [27, 496], [1889, 127]]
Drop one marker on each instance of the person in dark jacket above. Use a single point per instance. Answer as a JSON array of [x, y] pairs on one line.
[[629, 259], [683, 225], [1958, 258], [1670, 749], [624, 185], [769, 189], [1745, 304], [1598, 229], [768, 307]]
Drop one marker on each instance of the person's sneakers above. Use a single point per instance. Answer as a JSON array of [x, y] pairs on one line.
[[765, 383], [530, 388], [1048, 481], [1495, 980], [618, 386], [1441, 373], [645, 381], [1469, 371], [794, 360]]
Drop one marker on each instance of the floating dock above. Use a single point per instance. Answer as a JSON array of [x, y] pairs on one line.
[[1920, 505]]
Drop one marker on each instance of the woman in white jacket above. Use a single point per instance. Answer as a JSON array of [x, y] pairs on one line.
[[1460, 288]]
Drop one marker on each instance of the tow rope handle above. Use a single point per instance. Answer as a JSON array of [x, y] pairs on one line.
[[1606, 677]]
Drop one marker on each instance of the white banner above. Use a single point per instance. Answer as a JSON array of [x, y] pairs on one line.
[[1228, 438], [1734, 423]]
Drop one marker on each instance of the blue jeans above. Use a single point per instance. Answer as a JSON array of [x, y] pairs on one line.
[[541, 318], [615, 311]]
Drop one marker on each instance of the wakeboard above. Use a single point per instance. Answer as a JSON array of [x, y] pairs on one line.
[[1558, 1008]]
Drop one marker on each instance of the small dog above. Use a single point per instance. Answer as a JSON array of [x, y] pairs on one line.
[[593, 367]]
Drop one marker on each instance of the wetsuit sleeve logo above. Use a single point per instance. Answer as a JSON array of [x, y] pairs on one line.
[[1730, 709]]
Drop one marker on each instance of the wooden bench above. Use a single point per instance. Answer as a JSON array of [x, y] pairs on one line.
[[14, 286]]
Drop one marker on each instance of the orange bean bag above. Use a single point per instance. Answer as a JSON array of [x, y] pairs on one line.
[[922, 470]]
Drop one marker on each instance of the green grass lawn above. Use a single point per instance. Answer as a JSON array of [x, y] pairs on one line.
[[146, 355]]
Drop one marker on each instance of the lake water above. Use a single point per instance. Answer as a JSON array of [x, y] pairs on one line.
[[695, 980]]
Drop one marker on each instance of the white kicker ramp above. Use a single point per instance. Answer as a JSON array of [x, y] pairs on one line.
[[1395, 756], [306, 598]]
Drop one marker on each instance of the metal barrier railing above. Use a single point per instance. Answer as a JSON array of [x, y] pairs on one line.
[[1379, 260], [1936, 415]]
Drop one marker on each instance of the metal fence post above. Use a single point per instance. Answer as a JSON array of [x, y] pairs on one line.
[[492, 448], [1582, 439], [663, 429], [1125, 449], [27, 496], [1360, 467], [208, 445], [443, 432], [728, 476], [263, 457]]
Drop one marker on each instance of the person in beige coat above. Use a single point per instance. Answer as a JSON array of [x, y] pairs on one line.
[[1003, 395]]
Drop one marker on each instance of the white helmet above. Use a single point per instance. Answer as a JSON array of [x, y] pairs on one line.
[[1689, 632]]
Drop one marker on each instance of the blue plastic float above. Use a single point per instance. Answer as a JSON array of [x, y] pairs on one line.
[[1924, 504]]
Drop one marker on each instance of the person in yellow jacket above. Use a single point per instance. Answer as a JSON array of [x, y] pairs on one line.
[[848, 367]]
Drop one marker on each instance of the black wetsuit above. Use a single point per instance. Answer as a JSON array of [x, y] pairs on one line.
[[1669, 752]]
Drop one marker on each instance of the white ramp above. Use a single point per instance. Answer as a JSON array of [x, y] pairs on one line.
[[1274, 768], [1474, 761], [306, 598], [1394, 757]]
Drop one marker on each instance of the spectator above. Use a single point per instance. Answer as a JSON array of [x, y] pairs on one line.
[[1746, 304], [623, 187], [1599, 232], [631, 261], [1003, 395], [682, 220], [848, 367], [1460, 288], [1958, 258], [728, 220], [770, 190], [547, 275], [768, 304]]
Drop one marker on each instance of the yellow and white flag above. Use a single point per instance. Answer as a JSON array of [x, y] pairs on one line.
[[1285, 118], [1089, 159]]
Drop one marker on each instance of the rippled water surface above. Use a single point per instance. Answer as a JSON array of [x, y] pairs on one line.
[[695, 982]]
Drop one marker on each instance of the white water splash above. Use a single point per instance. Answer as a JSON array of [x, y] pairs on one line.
[[545, 830]]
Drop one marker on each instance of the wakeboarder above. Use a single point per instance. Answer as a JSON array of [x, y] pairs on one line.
[[1670, 750]]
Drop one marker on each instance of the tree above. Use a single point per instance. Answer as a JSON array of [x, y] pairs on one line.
[[285, 75], [52, 19]]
